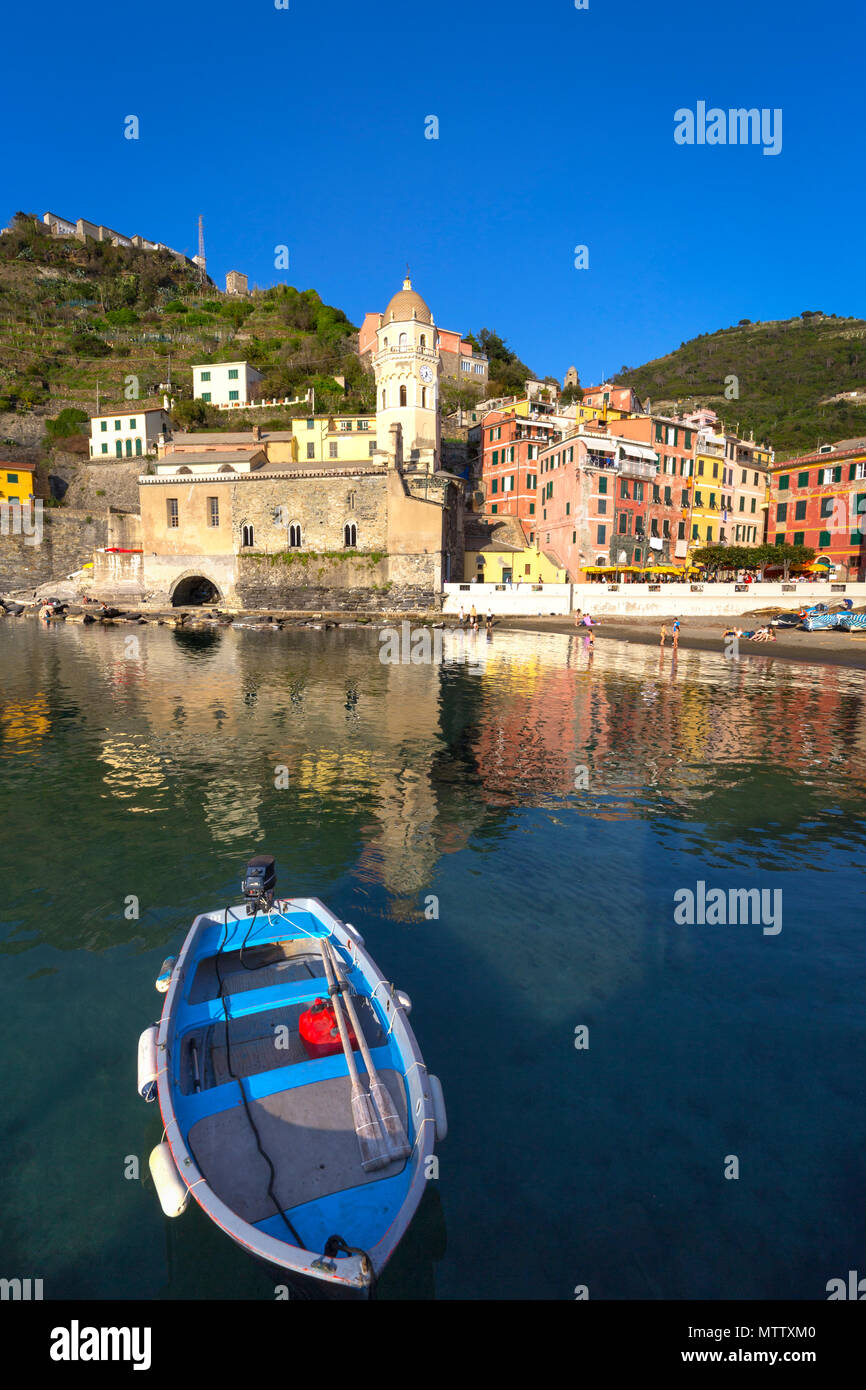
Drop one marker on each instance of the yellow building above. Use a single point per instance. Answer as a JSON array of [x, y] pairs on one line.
[[711, 505], [586, 414], [324, 439], [16, 482], [497, 552]]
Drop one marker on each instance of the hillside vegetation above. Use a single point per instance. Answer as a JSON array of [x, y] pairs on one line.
[[787, 371], [73, 314], [76, 315]]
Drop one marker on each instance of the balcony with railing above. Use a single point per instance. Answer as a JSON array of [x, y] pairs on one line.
[[637, 468]]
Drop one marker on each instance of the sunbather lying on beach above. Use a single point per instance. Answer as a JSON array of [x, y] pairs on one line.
[[758, 634]]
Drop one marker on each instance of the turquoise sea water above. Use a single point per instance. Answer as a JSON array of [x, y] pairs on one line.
[[547, 803]]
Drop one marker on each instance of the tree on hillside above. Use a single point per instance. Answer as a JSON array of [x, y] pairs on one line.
[[507, 374], [190, 414], [571, 393]]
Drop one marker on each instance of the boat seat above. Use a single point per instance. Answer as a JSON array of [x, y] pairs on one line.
[[274, 963], [253, 1043]]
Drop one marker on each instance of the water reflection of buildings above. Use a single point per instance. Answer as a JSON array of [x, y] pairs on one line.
[[637, 723], [403, 763], [25, 723]]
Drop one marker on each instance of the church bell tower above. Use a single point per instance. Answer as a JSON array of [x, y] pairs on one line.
[[406, 364]]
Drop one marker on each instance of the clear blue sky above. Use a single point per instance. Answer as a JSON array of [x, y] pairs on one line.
[[305, 127]]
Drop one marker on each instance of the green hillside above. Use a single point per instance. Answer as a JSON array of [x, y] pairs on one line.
[[76, 315], [787, 372], [73, 314]]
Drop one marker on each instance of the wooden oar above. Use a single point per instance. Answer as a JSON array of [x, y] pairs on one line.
[[395, 1134], [374, 1149]]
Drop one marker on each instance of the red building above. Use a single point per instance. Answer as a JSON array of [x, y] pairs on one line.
[[510, 448], [819, 500]]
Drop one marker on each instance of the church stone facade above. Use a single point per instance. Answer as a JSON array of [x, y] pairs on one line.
[[381, 531]]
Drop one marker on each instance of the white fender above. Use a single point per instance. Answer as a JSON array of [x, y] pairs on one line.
[[163, 979], [171, 1190], [438, 1107], [403, 1000], [147, 1064], [353, 931]]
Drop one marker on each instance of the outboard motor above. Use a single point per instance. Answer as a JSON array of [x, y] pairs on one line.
[[259, 883]]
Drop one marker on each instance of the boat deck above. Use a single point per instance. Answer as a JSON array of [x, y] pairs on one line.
[[308, 1135]]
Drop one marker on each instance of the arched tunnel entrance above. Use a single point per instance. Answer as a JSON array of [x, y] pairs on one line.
[[194, 591]]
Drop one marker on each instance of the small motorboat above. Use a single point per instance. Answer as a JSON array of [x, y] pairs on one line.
[[298, 1111], [820, 622], [823, 615], [851, 622]]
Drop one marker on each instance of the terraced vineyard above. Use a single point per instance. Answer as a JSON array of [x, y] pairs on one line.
[[77, 318]]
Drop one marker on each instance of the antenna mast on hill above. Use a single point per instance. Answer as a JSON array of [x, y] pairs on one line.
[[200, 258]]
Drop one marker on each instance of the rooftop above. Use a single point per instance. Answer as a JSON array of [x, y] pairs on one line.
[[149, 406], [179, 459], [494, 533], [843, 450]]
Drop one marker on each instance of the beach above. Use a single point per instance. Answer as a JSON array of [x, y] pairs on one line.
[[831, 648]]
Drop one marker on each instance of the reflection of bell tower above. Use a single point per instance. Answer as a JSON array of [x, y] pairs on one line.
[[406, 364]]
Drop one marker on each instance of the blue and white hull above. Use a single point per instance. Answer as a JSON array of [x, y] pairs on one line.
[[259, 1132]]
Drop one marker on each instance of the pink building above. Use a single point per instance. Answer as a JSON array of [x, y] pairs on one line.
[[577, 499], [618, 397]]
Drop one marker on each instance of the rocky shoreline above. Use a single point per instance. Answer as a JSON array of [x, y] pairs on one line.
[[831, 648], [200, 619]]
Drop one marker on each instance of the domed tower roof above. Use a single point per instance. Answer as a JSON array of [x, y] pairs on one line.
[[406, 305]]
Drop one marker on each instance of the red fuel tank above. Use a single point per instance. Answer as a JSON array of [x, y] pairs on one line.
[[319, 1032]]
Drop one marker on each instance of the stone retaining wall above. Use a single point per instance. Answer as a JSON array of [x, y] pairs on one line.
[[68, 541], [395, 583]]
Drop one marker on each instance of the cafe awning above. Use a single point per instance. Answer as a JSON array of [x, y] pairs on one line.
[[610, 569]]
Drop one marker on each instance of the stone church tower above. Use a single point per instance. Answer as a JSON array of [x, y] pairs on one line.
[[406, 364]]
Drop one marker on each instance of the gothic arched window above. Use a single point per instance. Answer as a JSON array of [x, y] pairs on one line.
[[247, 534], [404, 341], [350, 535], [423, 340], [402, 395], [294, 535]]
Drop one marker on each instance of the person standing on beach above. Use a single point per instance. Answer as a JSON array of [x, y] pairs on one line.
[[462, 616], [663, 634], [473, 619], [676, 633]]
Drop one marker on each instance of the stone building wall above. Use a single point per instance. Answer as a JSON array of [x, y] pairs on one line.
[[318, 583], [69, 539], [321, 505]]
